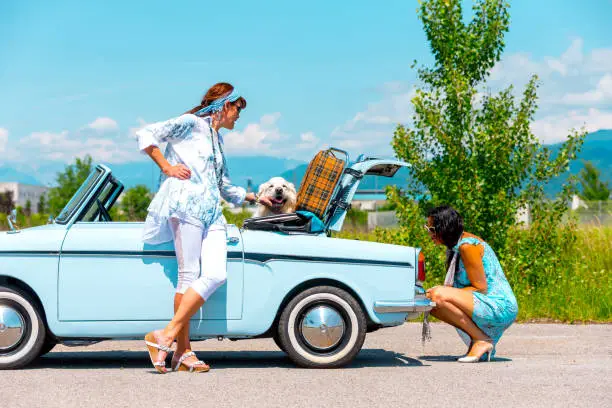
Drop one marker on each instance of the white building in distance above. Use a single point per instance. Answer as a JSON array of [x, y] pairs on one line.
[[24, 192]]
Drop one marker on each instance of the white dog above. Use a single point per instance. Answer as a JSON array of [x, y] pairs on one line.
[[281, 193]]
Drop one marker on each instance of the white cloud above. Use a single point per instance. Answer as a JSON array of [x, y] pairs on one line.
[[308, 140], [3, 139], [66, 145], [600, 60], [371, 130], [571, 86], [103, 124], [555, 128], [262, 137], [602, 93]]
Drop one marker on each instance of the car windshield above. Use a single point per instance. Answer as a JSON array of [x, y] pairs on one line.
[[80, 196], [104, 199]]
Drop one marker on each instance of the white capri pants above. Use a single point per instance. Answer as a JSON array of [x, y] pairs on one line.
[[202, 257]]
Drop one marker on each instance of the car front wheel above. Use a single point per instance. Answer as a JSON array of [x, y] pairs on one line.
[[322, 327], [22, 331]]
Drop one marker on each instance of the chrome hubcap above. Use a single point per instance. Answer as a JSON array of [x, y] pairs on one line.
[[322, 327], [12, 327]]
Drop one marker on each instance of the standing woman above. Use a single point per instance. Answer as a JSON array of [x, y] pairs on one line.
[[476, 297], [187, 209]]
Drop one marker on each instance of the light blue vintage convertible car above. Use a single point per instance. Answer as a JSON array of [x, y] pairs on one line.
[[85, 278]]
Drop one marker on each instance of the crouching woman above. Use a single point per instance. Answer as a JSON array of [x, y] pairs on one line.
[[476, 297]]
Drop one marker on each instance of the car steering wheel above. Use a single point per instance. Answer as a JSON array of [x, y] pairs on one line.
[[103, 213]]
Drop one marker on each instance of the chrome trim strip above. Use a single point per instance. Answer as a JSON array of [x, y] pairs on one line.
[[230, 254], [248, 256], [419, 304], [263, 258], [35, 253]]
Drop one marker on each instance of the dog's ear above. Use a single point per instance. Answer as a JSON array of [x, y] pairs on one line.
[[292, 187]]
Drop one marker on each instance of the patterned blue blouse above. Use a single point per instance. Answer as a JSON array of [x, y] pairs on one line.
[[190, 140], [495, 311]]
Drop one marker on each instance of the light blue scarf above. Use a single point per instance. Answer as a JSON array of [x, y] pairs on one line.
[[217, 104]]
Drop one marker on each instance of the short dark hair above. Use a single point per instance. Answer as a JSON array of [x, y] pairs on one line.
[[447, 223]]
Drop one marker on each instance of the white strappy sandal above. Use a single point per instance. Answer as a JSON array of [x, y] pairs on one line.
[[160, 365], [197, 366]]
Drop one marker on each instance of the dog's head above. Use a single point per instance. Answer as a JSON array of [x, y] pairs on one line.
[[281, 192]]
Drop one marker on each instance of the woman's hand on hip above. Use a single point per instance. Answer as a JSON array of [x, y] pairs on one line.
[[180, 171]]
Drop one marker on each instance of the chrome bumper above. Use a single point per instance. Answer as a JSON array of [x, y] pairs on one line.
[[419, 304]]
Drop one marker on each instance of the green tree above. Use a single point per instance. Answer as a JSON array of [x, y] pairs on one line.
[[135, 202], [468, 148], [42, 205], [6, 202], [591, 186], [68, 182], [27, 210]]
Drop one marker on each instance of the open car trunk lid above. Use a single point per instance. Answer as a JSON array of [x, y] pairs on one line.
[[349, 182]]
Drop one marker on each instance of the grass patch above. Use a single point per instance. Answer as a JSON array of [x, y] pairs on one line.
[[574, 285]]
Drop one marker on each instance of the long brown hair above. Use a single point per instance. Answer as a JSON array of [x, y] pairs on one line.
[[215, 92]]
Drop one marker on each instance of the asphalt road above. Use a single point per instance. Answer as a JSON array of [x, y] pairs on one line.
[[537, 365]]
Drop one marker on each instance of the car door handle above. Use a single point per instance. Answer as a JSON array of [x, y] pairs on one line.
[[233, 240]]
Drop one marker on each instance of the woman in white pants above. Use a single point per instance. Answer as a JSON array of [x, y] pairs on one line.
[[187, 209]]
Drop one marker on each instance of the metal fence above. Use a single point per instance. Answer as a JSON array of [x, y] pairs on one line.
[[597, 213], [594, 212], [384, 219]]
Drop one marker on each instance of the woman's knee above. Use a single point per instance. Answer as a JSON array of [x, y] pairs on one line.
[[185, 280], [207, 285]]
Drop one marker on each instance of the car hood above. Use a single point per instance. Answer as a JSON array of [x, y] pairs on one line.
[[46, 238]]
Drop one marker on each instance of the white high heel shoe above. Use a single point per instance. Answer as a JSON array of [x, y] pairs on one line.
[[474, 359]]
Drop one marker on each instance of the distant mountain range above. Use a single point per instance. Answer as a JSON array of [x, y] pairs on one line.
[[597, 148]]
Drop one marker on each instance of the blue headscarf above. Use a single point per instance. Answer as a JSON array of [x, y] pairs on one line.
[[217, 104]]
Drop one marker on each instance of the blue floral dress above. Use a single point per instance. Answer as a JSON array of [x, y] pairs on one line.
[[497, 310], [191, 141]]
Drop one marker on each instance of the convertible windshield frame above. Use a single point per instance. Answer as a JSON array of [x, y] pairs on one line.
[[106, 194], [82, 195]]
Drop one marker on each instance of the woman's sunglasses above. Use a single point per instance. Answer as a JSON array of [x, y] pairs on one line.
[[429, 229]]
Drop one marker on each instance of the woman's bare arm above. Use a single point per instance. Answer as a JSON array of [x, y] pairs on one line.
[[471, 255], [179, 171]]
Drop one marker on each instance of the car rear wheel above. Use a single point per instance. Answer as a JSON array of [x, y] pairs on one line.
[[22, 331], [322, 327]]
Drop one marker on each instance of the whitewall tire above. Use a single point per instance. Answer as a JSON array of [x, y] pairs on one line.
[[22, 330], [322, 327]]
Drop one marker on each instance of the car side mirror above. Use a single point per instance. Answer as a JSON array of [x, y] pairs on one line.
[[12, 221]]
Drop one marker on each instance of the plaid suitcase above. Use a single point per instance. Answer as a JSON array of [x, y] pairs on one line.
[[320, 181]]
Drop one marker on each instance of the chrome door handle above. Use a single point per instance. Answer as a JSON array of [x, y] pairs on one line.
[[233, 240]]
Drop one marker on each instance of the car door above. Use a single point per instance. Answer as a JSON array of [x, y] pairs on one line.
[[106, 272]]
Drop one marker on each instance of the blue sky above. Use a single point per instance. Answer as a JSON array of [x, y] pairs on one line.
[[80, 77]]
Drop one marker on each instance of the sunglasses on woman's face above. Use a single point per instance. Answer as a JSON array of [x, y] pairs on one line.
[[429, 229]]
